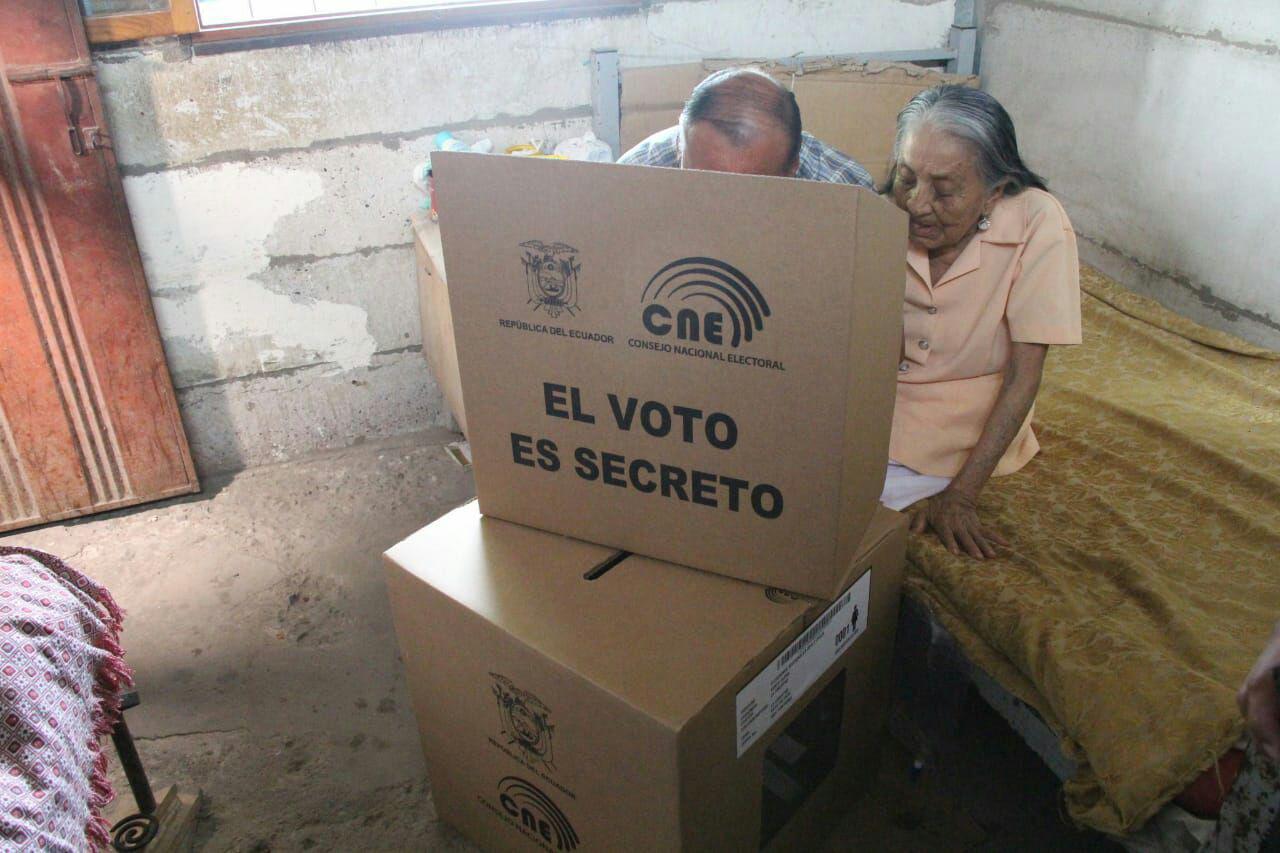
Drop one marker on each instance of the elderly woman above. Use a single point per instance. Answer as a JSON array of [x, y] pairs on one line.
[[992, 283]]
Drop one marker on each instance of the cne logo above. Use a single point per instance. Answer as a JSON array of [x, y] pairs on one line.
[[703, 300], [551, 277], [525, 721], [536, 813]]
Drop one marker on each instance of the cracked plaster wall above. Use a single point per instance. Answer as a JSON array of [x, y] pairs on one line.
[[270, 194], [1154, 123]]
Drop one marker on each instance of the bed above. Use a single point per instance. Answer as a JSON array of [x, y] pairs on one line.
[[1144, 573], [61, 670]]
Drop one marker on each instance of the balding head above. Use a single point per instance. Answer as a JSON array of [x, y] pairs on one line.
[[741, 120]]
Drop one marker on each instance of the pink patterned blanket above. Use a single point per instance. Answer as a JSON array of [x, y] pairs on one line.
[[61, 668]]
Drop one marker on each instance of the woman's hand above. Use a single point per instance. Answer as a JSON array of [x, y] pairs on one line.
[[953, 512], [953, 515], [1258, 700]]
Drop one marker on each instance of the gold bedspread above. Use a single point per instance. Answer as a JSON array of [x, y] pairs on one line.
[[1144, 573]]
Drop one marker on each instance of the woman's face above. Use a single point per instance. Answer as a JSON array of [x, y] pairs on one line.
[[937, 183]]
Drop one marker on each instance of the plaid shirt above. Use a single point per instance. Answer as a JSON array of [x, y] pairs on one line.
[[818, 161]]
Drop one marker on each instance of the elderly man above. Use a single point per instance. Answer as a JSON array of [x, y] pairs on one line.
[[742, 120]]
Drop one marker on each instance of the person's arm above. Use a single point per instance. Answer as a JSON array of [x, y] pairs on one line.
[[953, 512], [1258, 701], [657, 149]]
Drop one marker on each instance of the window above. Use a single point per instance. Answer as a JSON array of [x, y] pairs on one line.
[[107, 21], [98, 8], [113, 21], [801, 758], [218, 13]]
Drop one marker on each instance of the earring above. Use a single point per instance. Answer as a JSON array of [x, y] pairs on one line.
[[984, 222]]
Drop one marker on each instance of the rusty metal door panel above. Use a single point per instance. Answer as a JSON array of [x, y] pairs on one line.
[[38, 460], [41, 32], [88, 417]]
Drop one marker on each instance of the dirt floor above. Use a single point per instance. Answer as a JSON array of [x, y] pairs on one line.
[[259, 632]]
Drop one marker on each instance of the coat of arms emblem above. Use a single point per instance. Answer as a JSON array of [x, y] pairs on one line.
[[551, 275]]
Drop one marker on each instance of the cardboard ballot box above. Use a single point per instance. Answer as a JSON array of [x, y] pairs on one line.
[[437, 320], [694, 366], [568, 699]]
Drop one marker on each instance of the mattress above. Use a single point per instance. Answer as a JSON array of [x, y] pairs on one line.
[[1143, 575]]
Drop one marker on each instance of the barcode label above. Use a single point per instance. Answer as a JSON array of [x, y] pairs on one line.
[[802, 663], [811, 634]]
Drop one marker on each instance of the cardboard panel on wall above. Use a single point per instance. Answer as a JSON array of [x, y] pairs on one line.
[[567, 700], [852, 107], [695, 366], [652, 98]]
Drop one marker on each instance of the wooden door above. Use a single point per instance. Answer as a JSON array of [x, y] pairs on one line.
[[88, 417]]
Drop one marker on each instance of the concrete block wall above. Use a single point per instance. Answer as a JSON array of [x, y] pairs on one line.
[[270, 192], [1155, 124]]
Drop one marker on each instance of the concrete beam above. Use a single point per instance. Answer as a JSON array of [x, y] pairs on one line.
[[606, 96]]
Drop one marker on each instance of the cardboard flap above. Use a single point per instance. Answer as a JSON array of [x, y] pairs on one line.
[[874, 350], [884, 523], [531, 585], [437, 317]]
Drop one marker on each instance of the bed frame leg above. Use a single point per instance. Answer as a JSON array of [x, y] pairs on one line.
[[932, 681], [137, 830]]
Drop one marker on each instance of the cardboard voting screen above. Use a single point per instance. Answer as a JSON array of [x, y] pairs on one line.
[[693, 366]]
